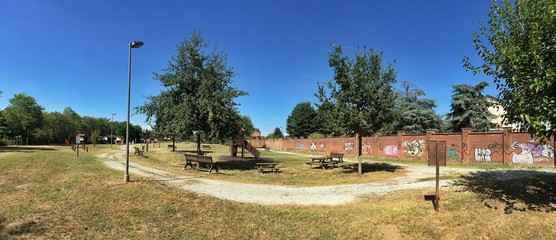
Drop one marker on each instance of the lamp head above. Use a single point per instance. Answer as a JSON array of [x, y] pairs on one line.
[[135, 44]]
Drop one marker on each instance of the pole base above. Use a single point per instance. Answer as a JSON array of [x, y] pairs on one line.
[[126, 178]]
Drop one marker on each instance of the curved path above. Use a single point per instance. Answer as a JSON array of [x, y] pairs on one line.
[[276, 195]]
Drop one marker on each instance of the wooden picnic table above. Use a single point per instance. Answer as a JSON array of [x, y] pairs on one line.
[[322, 162], [270, 167]]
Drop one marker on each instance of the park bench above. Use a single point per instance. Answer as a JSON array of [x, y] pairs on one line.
[[201, 160], [171, 147], [206, 147], [339, 156], [267, 167], [138, 152]]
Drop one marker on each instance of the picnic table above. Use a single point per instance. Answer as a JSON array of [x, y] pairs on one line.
[[322, 162], [269, 167]]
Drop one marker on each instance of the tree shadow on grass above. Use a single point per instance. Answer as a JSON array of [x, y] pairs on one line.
[[24, 149], [242, 164], [370, 167], [513, 190]]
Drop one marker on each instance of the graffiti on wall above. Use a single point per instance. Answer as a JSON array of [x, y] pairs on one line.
[[452, 153], [531, 152], [348, 146], [414, 148], [322, 146], [299, 146], [313, 146], [367, 149], [391, 150], [483, 155]]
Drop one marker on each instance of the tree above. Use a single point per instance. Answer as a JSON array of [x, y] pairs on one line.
[[198, 95], [469, 108], [277, 133], [23, 116], [416, 114], [520, 57], [246, 123], [300, 122], [362, 93]]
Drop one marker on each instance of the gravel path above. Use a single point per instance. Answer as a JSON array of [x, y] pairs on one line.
[[277, 195]]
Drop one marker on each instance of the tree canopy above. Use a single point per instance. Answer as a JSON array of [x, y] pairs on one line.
[[23, 116], [301, 121], [518, 48], [198, 95], [469, 108]]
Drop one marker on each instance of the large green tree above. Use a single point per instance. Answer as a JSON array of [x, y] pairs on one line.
[[518, 49], [23, 116], [197, 94], [469, 108], [415, 114], [301, 121], [361, 91]]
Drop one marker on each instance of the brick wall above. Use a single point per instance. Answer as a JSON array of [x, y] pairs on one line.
[[466, 147]]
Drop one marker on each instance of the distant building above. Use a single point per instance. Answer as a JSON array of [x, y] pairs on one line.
[[498, 111]]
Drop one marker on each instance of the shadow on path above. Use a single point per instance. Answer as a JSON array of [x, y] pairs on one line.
[[371, 167]]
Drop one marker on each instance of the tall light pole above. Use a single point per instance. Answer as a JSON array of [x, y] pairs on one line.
[[111, 135], [134, 44]]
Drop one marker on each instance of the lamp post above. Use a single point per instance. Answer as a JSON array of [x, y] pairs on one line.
[[111, 135], [134, 44]]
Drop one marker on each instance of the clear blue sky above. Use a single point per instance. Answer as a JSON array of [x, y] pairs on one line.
[[75, 53]]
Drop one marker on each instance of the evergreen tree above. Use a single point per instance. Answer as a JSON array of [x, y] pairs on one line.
[[415, 114], [469, 108]]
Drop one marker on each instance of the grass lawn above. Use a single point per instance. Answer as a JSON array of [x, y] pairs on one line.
[[49, 193]]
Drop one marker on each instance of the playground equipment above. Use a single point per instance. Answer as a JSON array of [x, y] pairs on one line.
[[245, 145]]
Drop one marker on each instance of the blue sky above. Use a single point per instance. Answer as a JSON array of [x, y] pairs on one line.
[[74, 53]]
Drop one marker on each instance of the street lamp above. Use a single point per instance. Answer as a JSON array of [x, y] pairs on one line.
[[111, 135], [134, 44]]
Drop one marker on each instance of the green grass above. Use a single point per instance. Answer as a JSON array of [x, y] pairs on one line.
[[51, 194]]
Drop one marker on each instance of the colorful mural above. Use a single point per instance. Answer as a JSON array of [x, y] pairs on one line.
[[414, 148], [391, 150], [322, 146], [531, 152], [299, 146], [313, 146], [483, 155]]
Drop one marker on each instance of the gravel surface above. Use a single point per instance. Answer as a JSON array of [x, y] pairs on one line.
[[277, 195]]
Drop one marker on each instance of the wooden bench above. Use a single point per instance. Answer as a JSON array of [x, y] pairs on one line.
[[268, 167], [138, 152], [171, 147], [200, 160], [339, 156], [206, 147]]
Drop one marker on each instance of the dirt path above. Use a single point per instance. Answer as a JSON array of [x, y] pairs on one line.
[[276, 195]]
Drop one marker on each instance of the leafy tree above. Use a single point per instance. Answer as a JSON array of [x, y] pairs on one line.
[[23, 116], [469, 108], [300, 122], [362, 92], [520, 57], [246, 123], [415, 114], [198, 94]]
